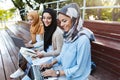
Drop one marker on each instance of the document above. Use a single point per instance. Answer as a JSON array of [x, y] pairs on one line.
[[28, 52], [38, 61]]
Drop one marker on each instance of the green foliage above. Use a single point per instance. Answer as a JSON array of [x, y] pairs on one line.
[[40, 1], [18, 3], [79, 2], [21, 6], [6, 14], [101, 14]]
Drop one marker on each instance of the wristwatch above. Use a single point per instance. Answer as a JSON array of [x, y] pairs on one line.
[[58, 73]]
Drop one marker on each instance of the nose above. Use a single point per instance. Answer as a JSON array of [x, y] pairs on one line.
[[29, 22], [45, 20], [61, 24]]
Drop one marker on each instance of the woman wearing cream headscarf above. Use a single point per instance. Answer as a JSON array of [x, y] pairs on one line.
[[36, 29], [75, 56]]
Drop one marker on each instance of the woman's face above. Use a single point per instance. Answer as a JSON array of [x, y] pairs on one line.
[[65, 22], [30, 20], [47, 19]]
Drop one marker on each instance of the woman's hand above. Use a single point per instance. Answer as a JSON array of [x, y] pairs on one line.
[[46, 66], [29, 45], [49, 73], [39, 54]]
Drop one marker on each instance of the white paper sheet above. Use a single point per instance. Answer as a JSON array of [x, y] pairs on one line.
[[38, 61]]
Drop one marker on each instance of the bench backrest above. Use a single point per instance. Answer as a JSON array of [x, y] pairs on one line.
[[104, 29], [106, 48]]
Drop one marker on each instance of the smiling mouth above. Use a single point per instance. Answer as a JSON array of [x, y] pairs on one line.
[[64, 27], [61, 27]]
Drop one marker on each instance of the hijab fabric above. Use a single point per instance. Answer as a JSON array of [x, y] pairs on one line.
[[49, 30], [72, 10], [36, 27]]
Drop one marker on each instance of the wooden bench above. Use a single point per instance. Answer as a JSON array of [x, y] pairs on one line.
[[8, 56], [8, 50], [21, 29], [106, 48], [105, 52]]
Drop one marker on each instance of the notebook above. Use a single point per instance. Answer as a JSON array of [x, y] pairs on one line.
[[35, 73]]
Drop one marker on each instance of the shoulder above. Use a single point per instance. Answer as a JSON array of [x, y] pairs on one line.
[[58, 31], [83, 39]]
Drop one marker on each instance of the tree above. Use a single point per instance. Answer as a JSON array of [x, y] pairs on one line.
[[33, 4], [116, 12], [20, 4], [21, 7], [5, 15]]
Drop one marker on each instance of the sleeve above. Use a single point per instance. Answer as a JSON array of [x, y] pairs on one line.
[[39, 39], [58, 58], [58, 42], [83, 57], [38, 44], [30, 41]]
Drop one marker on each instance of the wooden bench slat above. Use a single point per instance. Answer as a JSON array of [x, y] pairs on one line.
[[104, 74], [107, 51], [107, 43], [7, 61], [2, 73], [109, 59], [111, 36], [11, 48], [104, 64], [103, 26], [106, 48]]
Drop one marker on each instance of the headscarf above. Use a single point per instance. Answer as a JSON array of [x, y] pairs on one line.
[[49, 30], [36, 27], [72, 10]]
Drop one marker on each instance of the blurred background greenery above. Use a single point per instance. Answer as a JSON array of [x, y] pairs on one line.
[[106, 10]]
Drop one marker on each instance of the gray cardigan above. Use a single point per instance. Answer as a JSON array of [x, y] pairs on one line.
[[57, 42]]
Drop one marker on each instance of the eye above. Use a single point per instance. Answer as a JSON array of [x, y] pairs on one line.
[[64, 20], [49, 18], [30, 19], [43, 17]]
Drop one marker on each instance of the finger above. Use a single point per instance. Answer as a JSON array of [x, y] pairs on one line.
[[37, 51], [43, 73], [34, 56], [41, 67]]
